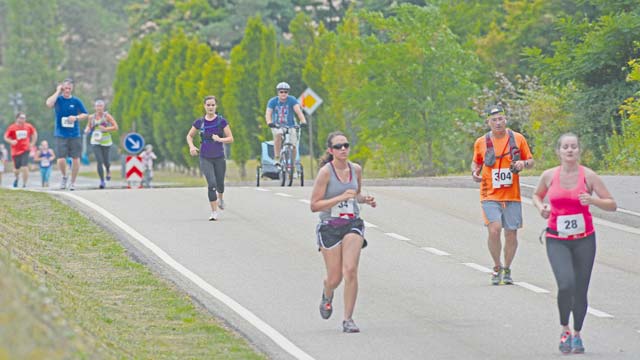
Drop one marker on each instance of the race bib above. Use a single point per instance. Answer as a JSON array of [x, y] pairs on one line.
[[96, 135], [45, 162], [66, 122], [344, 209], [570, 225], [21, 134], [501, 178]]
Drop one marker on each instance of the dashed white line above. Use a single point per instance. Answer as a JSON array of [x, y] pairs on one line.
[[370, 225], [598, 313], [478, 267], [305, 201], [397, 236], [261, 189], [250, 317], [284, 195], [436, 251], [533, 288]]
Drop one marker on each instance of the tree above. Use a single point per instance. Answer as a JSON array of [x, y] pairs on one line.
[[32, 56], [250, 71]]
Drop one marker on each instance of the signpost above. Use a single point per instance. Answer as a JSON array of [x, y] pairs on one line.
[[133, 143], [310, 101], [133, 170]]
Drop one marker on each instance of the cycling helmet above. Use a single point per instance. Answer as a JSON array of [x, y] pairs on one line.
[[283, 86]]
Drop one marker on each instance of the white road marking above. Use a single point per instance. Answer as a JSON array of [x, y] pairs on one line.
[[436, 251], [625, 211], [305, 201], [533, 288], [283, 195], [261, 189], [616, 226], [370, 225], [397, 236], [598, 313], [250, 317], [478, 267]]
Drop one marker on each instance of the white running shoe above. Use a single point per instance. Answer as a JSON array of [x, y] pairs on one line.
[[63, 184], [214, 216]]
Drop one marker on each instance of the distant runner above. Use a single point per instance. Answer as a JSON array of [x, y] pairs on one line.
[[21, 135], [214, 131]]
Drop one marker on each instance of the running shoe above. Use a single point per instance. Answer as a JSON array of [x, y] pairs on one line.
[[72, 187], [577, 346], [63, 183], [565, 342], [15, 183], [506, 276], [108, 176], [102, 185], [496, 275], [221, 204], [214, 216], [325, 306], [349, 326]]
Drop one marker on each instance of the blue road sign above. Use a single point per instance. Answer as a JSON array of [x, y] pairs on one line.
[[133, 143]]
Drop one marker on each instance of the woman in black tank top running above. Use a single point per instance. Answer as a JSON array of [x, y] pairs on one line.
[[340, 234]]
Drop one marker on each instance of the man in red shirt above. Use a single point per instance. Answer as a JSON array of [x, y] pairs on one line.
[[21, 136]]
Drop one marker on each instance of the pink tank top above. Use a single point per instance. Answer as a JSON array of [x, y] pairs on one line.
[[569, 219]]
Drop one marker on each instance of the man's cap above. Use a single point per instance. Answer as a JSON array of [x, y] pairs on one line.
[[494, 109]]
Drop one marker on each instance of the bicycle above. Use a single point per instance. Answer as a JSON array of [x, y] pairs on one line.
[[289, 165]]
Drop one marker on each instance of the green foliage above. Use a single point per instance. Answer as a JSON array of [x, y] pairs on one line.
[[624, 154], [30, 58], [249, 76], [386, 89]]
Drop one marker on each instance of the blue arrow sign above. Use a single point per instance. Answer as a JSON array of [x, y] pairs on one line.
[[133, 143]]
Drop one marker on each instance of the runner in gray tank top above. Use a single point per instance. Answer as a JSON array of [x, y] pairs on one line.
[[340, 233]]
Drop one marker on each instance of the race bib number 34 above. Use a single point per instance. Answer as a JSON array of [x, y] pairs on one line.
[[501, 178], [570, 225], [344, 209]]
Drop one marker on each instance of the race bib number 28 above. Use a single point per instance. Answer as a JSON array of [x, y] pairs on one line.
[[344, 209], [501, 178], [571, 225]]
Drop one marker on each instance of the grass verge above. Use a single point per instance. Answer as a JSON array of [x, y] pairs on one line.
[[69, 290]]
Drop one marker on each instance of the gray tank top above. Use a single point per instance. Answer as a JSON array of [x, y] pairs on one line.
[[335, 187]]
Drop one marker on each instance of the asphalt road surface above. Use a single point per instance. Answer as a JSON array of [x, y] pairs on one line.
[[424, 290]]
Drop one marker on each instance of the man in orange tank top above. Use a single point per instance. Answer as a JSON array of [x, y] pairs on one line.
[[498, 157]]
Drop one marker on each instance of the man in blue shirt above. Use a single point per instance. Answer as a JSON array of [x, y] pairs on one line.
[[68, 110], [279, 114]]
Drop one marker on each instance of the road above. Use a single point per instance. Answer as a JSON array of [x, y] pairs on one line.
[[424, 292]]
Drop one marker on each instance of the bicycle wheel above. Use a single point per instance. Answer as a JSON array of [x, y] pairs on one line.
[[301, 173], [291, 166], [282, 174], [257, 176]]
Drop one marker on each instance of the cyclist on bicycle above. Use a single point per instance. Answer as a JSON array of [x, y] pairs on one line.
[[279, 115]]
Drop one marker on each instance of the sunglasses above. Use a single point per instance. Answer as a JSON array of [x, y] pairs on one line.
[[340, 146], [283, 92]]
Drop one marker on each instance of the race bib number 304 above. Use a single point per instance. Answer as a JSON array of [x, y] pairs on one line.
[[501, 178], [570, 225], [344, 209]]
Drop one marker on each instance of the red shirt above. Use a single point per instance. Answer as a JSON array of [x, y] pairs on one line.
[[23, 134]]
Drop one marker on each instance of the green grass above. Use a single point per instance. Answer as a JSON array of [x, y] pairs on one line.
[[69, 290]]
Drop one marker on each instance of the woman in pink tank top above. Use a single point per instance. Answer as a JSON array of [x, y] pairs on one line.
[[571, 238]]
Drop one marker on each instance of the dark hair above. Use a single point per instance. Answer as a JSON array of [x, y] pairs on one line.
[[209, 98], [327, 157]]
